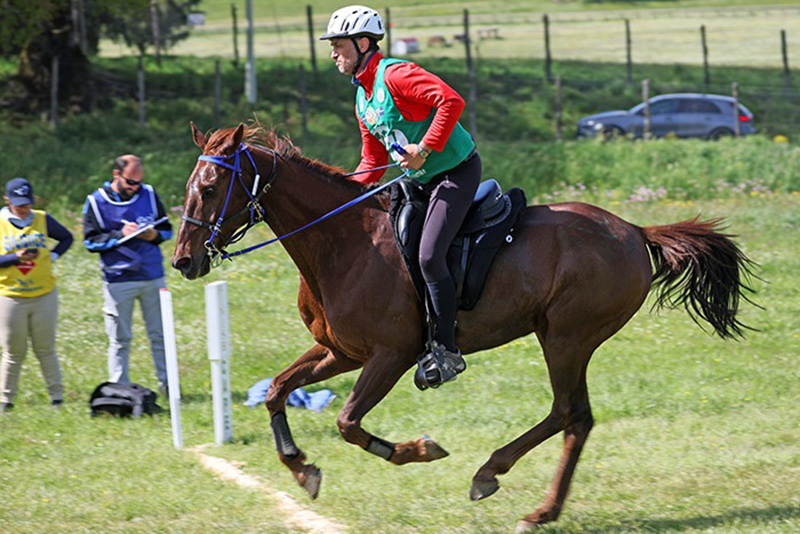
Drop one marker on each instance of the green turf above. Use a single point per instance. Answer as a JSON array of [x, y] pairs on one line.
[[693, 434]]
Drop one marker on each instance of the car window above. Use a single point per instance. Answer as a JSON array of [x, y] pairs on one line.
[[697, 106], [663, 106]]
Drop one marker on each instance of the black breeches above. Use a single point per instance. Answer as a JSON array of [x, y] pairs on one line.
[[451, 195]]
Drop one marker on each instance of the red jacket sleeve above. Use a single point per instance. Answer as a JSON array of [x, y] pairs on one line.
[[417, 91], [373, 154]]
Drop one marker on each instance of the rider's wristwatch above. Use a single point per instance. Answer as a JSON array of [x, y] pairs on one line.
[[423, 152]]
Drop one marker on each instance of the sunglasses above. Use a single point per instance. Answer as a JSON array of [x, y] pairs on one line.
[[132, 183]]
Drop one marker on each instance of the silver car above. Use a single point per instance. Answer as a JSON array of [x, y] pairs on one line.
[[682, 114]]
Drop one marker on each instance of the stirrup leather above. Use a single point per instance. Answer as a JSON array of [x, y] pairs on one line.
[[437, 366]]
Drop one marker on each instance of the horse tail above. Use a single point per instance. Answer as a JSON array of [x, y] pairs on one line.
[[704, 270]]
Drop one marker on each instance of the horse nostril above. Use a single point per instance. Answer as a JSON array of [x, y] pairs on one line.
[[182, 264]]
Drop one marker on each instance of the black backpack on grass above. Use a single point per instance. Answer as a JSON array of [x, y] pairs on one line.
[[123, 400]]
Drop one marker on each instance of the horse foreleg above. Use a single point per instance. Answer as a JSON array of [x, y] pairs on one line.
[[317, 364], [380, 374]]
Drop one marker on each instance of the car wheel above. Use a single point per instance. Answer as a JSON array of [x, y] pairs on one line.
[[719, 133], [613, 132]]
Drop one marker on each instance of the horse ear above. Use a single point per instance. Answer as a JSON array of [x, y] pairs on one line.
[[238, 135], [233, 142], [199, 137]]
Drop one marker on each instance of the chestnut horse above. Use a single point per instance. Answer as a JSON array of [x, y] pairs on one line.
[[574, 275]]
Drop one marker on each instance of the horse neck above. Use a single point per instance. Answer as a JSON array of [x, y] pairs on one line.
[[300, 195]]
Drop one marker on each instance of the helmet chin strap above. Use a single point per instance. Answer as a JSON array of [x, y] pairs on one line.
[[359, 58]]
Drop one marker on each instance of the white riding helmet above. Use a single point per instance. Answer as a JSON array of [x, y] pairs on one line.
[[355, 21]]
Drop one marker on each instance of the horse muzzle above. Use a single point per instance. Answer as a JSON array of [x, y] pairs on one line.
[[192, 267]]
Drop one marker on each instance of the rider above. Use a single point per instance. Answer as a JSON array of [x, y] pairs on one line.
[[400, 103]]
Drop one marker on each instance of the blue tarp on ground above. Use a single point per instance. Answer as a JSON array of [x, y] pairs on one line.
[[316, 401]]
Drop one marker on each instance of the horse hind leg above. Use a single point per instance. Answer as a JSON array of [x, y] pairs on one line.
[[570, 413], [317, 364], [575, 436]]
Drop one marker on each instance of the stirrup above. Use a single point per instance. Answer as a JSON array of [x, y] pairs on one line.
[[438, 366]]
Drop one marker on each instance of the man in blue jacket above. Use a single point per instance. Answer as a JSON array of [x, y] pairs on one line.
[[125, 222]]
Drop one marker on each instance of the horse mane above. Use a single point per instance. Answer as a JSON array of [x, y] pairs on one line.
[[260, 136]]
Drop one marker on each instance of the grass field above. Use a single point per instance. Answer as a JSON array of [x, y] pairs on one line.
[[693, 434], [220, 10], [750, 36]]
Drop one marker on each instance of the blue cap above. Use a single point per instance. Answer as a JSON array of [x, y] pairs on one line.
[[19, 191]]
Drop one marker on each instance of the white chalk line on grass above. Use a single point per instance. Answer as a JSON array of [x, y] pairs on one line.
[[295, 515]]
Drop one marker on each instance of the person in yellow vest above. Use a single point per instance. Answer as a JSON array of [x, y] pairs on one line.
[[28, 294]]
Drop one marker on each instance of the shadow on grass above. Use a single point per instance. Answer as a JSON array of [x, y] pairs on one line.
[[762, 516], [749, 515]]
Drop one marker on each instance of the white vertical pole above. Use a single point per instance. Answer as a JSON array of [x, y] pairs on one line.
[[219, 351], [173, 381]]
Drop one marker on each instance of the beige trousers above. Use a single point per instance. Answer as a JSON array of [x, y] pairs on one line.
[[21, 318]]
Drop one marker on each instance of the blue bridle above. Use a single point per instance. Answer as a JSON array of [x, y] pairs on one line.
[[256, 214], [217, 255]]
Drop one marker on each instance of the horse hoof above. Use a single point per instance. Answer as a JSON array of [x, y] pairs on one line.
[[481, 489], [433, 451], [523, 527], [313, 481]]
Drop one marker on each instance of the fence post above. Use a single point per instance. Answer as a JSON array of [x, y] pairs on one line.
[[217, 93], [737, 125], [786, 79], [388, 25], [628, 52], [54, 92], [548, 61], [646, 100], [173, 376], [235, 36], [559, 113], [473, 90], [303, 102], [250, 68], [310, 18], [141, 93], [219, 353], [706, 74]]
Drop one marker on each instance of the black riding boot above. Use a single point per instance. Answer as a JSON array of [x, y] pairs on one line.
[[443, 362]]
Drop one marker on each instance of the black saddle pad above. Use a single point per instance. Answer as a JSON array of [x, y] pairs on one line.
[[472, 253]]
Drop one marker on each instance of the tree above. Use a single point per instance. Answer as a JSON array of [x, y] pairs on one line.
[[155, 25], [40, 30]]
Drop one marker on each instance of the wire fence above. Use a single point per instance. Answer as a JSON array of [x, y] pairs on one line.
[[471, 38]]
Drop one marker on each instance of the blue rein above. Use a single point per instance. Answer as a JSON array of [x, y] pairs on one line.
[[256, 210]]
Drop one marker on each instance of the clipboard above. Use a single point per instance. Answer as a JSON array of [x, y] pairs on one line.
[[141, 230]]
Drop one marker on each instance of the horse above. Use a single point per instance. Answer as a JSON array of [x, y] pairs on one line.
[[574, 275]]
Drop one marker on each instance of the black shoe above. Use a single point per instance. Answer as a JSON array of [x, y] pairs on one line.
[[438, 366], [56, 404], [6, 406]]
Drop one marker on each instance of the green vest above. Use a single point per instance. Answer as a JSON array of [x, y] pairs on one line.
[[382, 118]]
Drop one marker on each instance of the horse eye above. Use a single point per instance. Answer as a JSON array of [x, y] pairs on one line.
[[209, 192]]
